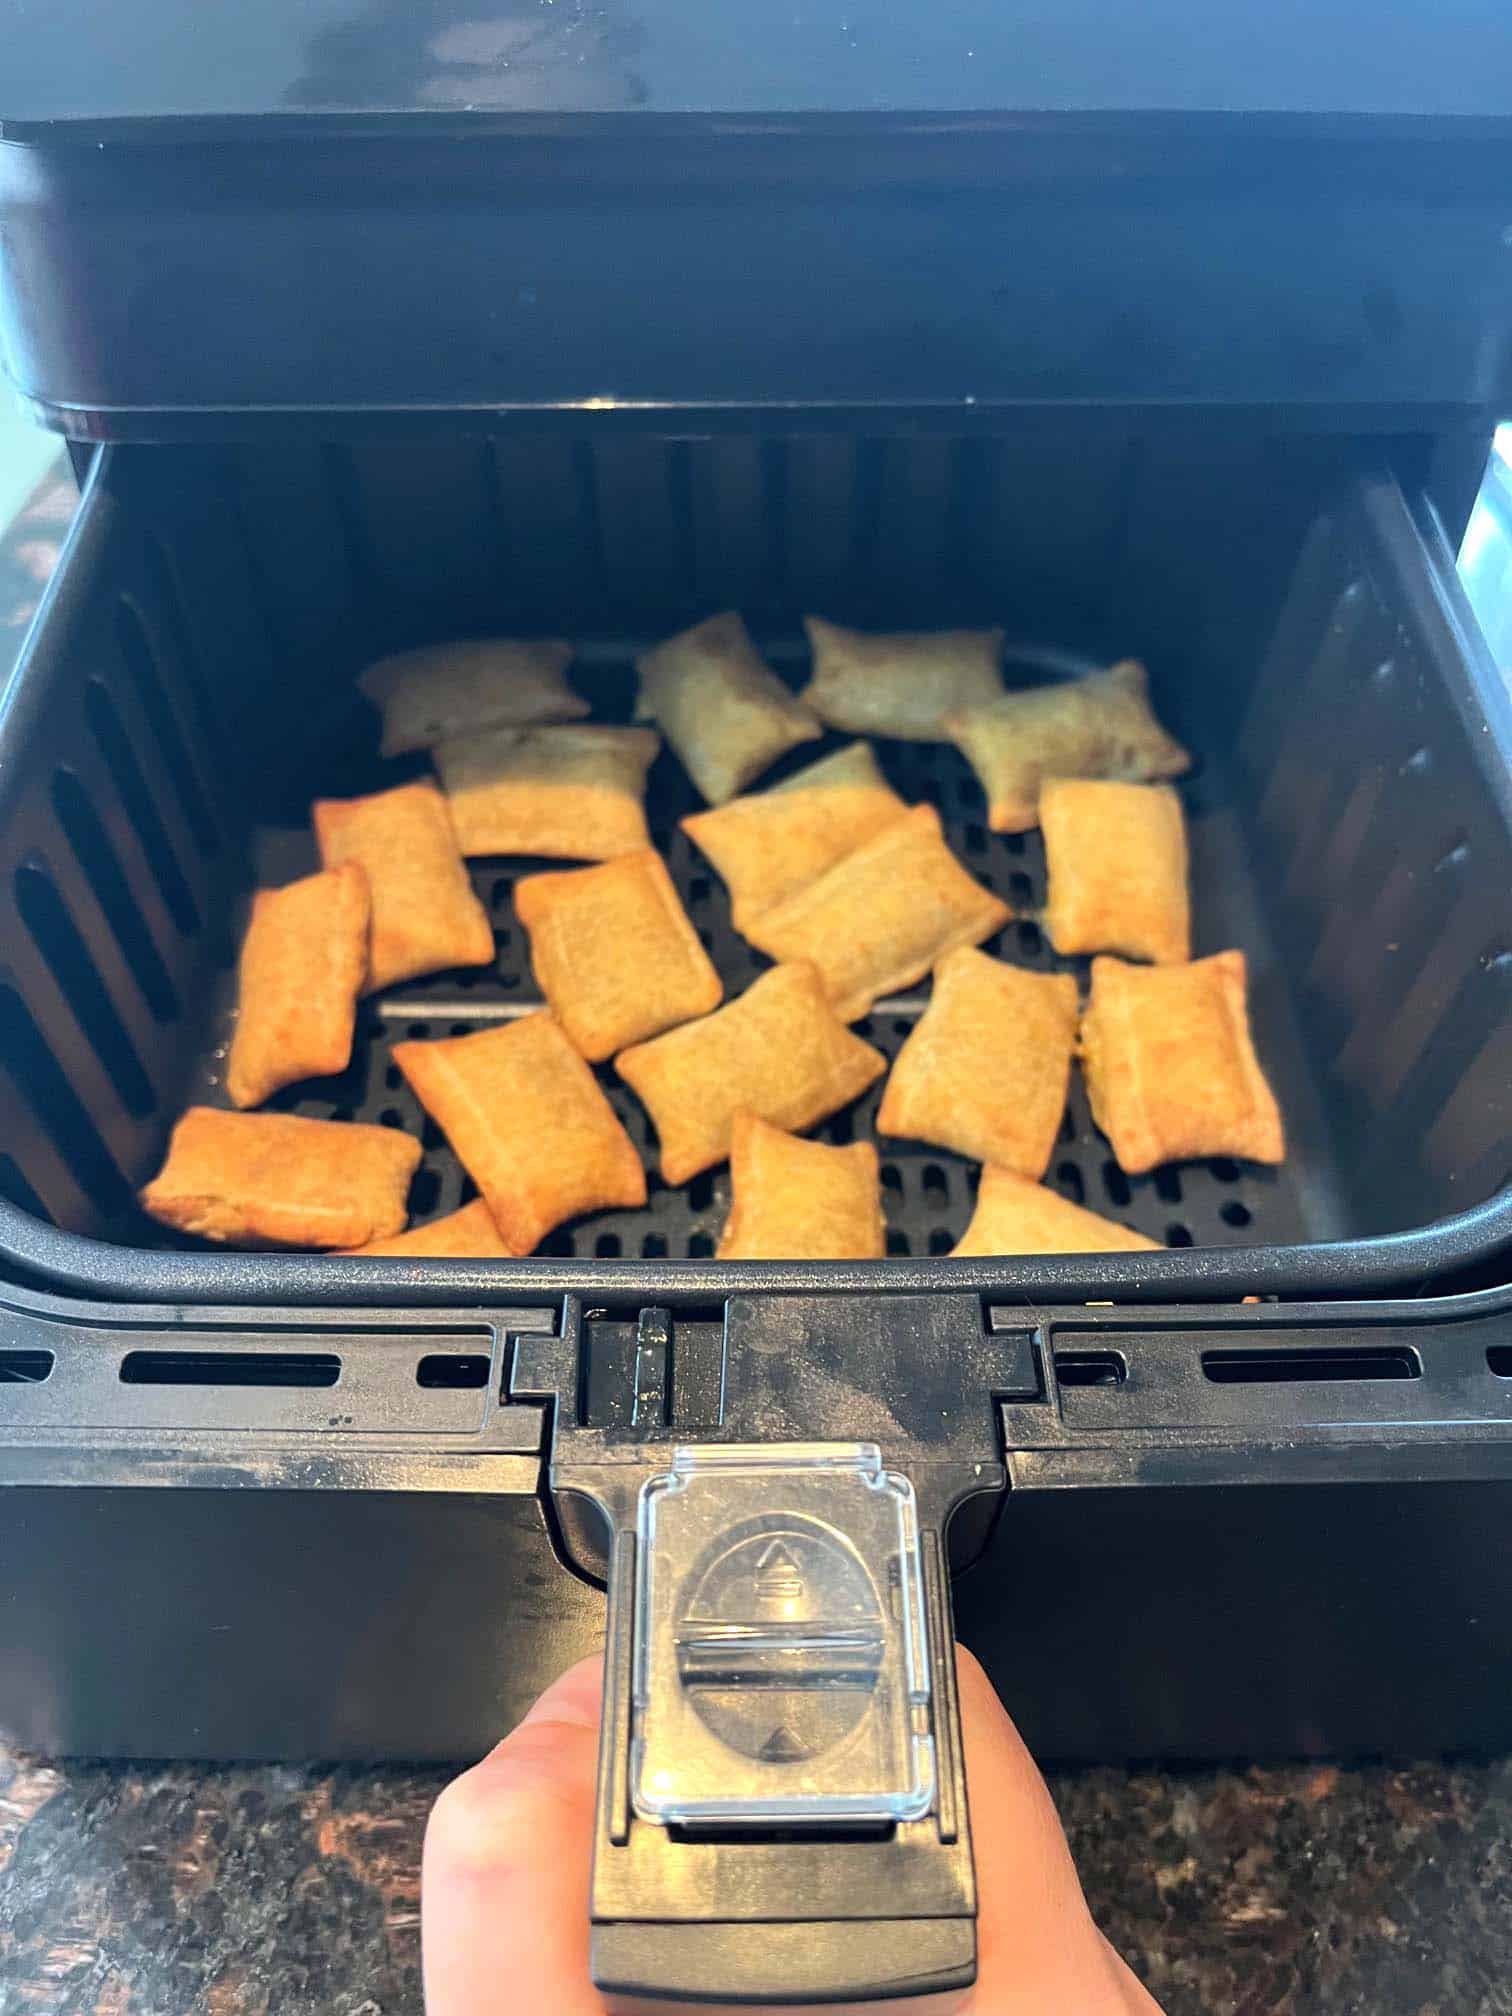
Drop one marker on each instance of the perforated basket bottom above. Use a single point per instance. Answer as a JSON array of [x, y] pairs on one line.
[[928, 1194]]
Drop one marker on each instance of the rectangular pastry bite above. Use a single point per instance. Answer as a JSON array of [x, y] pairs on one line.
[[986, 1071], [881, 917], [901, 684], [530, 1124], [274, 1179], [445, 690], [800, 1200], [303, 964], [1099, 726], [1117, 861], [778, 1051], [425, 915], [614, 953], [575, 794], [1014, 1215], [720, 705], [1171, 1066], [468, 1234], [773, 842]]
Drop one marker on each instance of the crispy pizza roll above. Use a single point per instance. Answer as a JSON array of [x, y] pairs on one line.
[[1014, 1215], [529, 1123], [425, 916], [274, 1179], [303, 964], [720, 705], [1117, 861], [445, 690], [779, 1051], [575, 794], [614, 953], [882, 916], [773, 842], [986, 1071], [468, 1234], [903, 684], [800, 1200], [1100, 726], [1171, 1066]]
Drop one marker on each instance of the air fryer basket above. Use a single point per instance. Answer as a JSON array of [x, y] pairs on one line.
[[187, 690]]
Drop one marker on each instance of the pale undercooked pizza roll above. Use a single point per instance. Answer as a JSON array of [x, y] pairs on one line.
[[880, 918], [986, 1071], [1117, 861], [468, 1234], [1100, 726], [614, 953], [800, 1200], [303, 964], [773, 842], [1171, 1067], [723, 709], [779, 1051], [1014, 1215], [529, 1124], [273, 1179], [575, 793], [903, 684], [444, 690], [425, 916]]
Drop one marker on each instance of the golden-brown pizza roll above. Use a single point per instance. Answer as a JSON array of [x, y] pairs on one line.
[[779, 1051], [1117, 861], [987, 1068], [903, 684], [274, 1179], [303, 963], [468, 1234], [1100, 726], [723, 709], [800, 1200], [1171, 1067], [880, 918], [614, 953], [1014, 1215], [425, 916], [574, 794], [530, 1124], [445, 690], [773, 842]]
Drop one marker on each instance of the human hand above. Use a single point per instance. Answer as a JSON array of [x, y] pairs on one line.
[[504, 1892]]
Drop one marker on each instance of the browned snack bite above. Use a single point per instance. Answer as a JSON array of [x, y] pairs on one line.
[[276, 1179], [425, 915], [303, 964], [614, 953], [530, 1124]]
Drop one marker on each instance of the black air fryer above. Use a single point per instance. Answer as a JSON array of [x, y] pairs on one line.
[[1169, 339]]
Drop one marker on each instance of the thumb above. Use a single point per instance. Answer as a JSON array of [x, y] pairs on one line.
[[504, 1882], [1037, 1947]]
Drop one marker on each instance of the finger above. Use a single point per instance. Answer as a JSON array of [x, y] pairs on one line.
[[504, 1883], [1038, 1948]]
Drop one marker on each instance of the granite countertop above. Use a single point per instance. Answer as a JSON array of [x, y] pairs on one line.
[[195, 1891], [183, 1891]]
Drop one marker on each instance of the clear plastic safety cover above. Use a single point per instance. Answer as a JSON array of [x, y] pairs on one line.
[[781, 1656]]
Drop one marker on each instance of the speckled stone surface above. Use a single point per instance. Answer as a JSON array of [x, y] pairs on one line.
[[277, 1892]]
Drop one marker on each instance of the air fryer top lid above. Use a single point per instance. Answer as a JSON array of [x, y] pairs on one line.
[[933, 213], [77, 62]]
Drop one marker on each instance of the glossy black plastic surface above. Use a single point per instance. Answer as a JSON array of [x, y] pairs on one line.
[[942, 274], [1182, 1566], [161, 62]]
